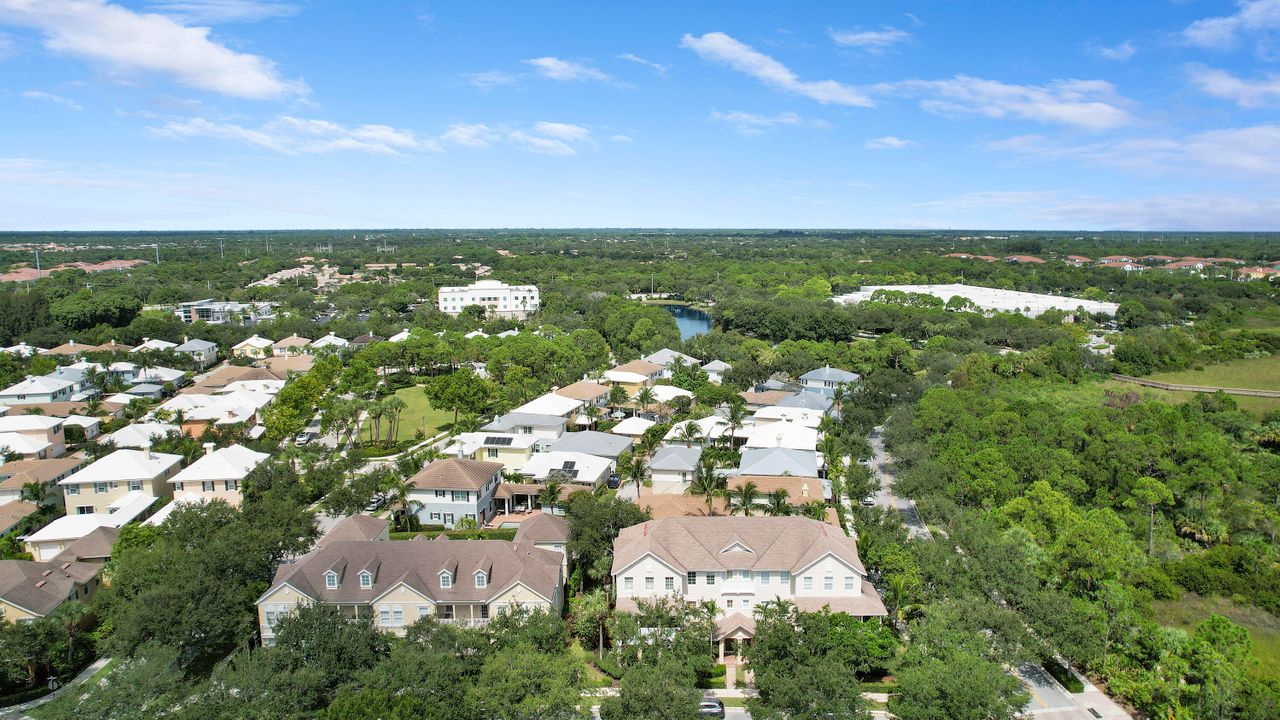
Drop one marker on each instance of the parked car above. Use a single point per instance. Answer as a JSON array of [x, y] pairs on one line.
[[711, 707], [869, 500], [302, 439], [614, 480]]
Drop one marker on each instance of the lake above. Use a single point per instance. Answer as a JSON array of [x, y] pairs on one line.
[[690, 321]]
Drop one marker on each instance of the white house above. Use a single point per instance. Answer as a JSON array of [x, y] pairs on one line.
[[633, 427], [666, 357], [140, 435], [449, 490], [497, 298], [218, 474], [710, 429], [34, 436], [400, 336], [50, 540], [783, 435], [740, 562], [330, 341], [715, 371], [784, 414], [547, 428], [829, 378], [38, 390], [202, 352], [672, 468], [551, 404], [573, 467], [154, 345]]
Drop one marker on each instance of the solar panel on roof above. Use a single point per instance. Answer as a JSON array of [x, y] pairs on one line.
[[570, 464], [500, 441]]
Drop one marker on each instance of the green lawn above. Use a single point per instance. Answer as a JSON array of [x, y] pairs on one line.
[[1263, 627], [417, 414], [1256, 373]]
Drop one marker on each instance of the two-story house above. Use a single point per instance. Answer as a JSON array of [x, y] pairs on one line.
[[397, 582], [454, 488], [38, 390], [740, 562], [202, 352], [37, 437], [828, 378], [253, 346], [634, 375], [666, 357], [99, 486], [218, 474], [672, 468], [510, 449], [546, 428]]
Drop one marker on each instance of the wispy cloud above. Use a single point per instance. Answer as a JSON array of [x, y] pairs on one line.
[[1262, 92], [875, 41], [300, 136], [721, 48], [50, 97], [754, 124], [224, 11], [125, 41], [888, 142], [1224, 32], [656, 67], [1117, 53], [544, 138], [554, 68], [491, 79], [1083, 104]]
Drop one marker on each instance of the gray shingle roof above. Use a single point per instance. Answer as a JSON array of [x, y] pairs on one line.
[[778, 461], [675, 457], [26, 584], [510, 421], [830, 374]]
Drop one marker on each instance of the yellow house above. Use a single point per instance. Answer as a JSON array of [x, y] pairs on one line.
[[100, 487], [634, 375], [512, 450], [31, 590], [395, 583]]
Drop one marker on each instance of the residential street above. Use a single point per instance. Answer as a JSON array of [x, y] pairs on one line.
[[881, 468]]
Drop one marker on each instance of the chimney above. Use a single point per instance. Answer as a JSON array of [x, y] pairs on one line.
[[146, 451], [208, 447], [146, 340], [186, 339]]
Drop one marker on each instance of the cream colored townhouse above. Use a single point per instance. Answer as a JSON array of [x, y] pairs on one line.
[[101, 486], [217, 475]]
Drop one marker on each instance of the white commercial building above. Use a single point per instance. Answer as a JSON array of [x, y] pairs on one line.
[[988, 299], [497, 298]]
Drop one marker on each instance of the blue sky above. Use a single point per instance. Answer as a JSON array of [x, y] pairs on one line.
[[229, 114]]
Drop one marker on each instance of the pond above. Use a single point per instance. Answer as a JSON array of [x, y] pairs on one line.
[[691, 321]]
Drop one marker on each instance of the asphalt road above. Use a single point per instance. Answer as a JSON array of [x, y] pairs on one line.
[[882, 468]]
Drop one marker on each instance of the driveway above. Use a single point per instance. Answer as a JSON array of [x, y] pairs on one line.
[[881, 466]]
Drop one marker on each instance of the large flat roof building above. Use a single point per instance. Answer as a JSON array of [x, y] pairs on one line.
[[497, 298], [988, 299]]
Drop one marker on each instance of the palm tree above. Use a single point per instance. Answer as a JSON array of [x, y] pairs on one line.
[[617, 396], [592, 412], [735, 416], [644, 399], [815, 510], [706, 483], [743, 498], [33, 492], [466, 423], [632, 470], [832, 454], [549, 495], [690, 433], [779, 504], [393, 406]]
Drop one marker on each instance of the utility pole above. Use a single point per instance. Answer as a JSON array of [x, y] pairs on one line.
[[222, 255], [157, 253], [37, 264]]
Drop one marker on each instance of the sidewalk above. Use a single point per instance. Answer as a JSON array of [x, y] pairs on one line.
[[19, 712]]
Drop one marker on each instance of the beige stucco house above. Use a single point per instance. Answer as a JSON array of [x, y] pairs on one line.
[[97, 487]]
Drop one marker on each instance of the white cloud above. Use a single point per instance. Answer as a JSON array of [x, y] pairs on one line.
[[1245, 93], [754, 124], [540, 144], [1118, 53], [6, 46], [1223, 32], [476, 135], [1231, 152], [299, 136], [554, 68], [621, 139], [546, 138], [491, 79], [50, 97], [656, 67], [888, 142], [1084, 104], [224, 11], [870, 40], [721, 48], [563, 131], [126, 41]]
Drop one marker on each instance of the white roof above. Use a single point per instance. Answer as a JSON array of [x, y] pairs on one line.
[[270, 387], [473, 441], [717, 366], [82, 421], [140, 434], [71, 527], [550, 404], [22, 350], [400, 336], [233, 462], [666, 356], [253, 341], [158, 375], [712, 426], [29, 423], [37, 385], [620, 376], [667, 393], [22, 444], [124, 465], [154, 344], [330, 340], [800, 416], [632, 426], [182, 498], [476, 334], [590, 468], [123, 398], [988, 298], [783, 435]]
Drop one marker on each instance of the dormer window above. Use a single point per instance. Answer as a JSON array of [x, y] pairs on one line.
[[482, 579], [331, 580], [446, 579], [366, 579]]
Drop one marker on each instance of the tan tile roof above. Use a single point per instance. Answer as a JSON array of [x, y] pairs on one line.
[[455, 474], [12, 513], [418, 564], [584, 390], [665, 505], [696, 543], [866, 605], [280, 366], [14, 475], [639, 367], [293, 341], [766, 398], [63, 409]]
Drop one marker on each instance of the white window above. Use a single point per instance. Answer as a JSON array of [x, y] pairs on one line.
[[648, 583], [440, 493], [232, 485], [828, 583], [461, 496], [424, 611], [482, 580], [446, 580], [74, 489], [669, 583], [628, 583], [384, 617], [728, 603], [135, 484], [808, 582], [397, 616], [491, 453], [746, 602], [99, 488], [331, 580], [784, 577], [435, 516], [744, 574], [711, 578], [177, 487], [84, 510], [693, 578], [366, 579], [206, 485], [765, 577], [848, 583]]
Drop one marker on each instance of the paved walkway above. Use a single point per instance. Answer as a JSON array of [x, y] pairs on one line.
[[19, 712], [882, 468]]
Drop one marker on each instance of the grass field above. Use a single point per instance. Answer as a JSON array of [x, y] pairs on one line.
[[1256, 373], [417, 414], [1263, 627]]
